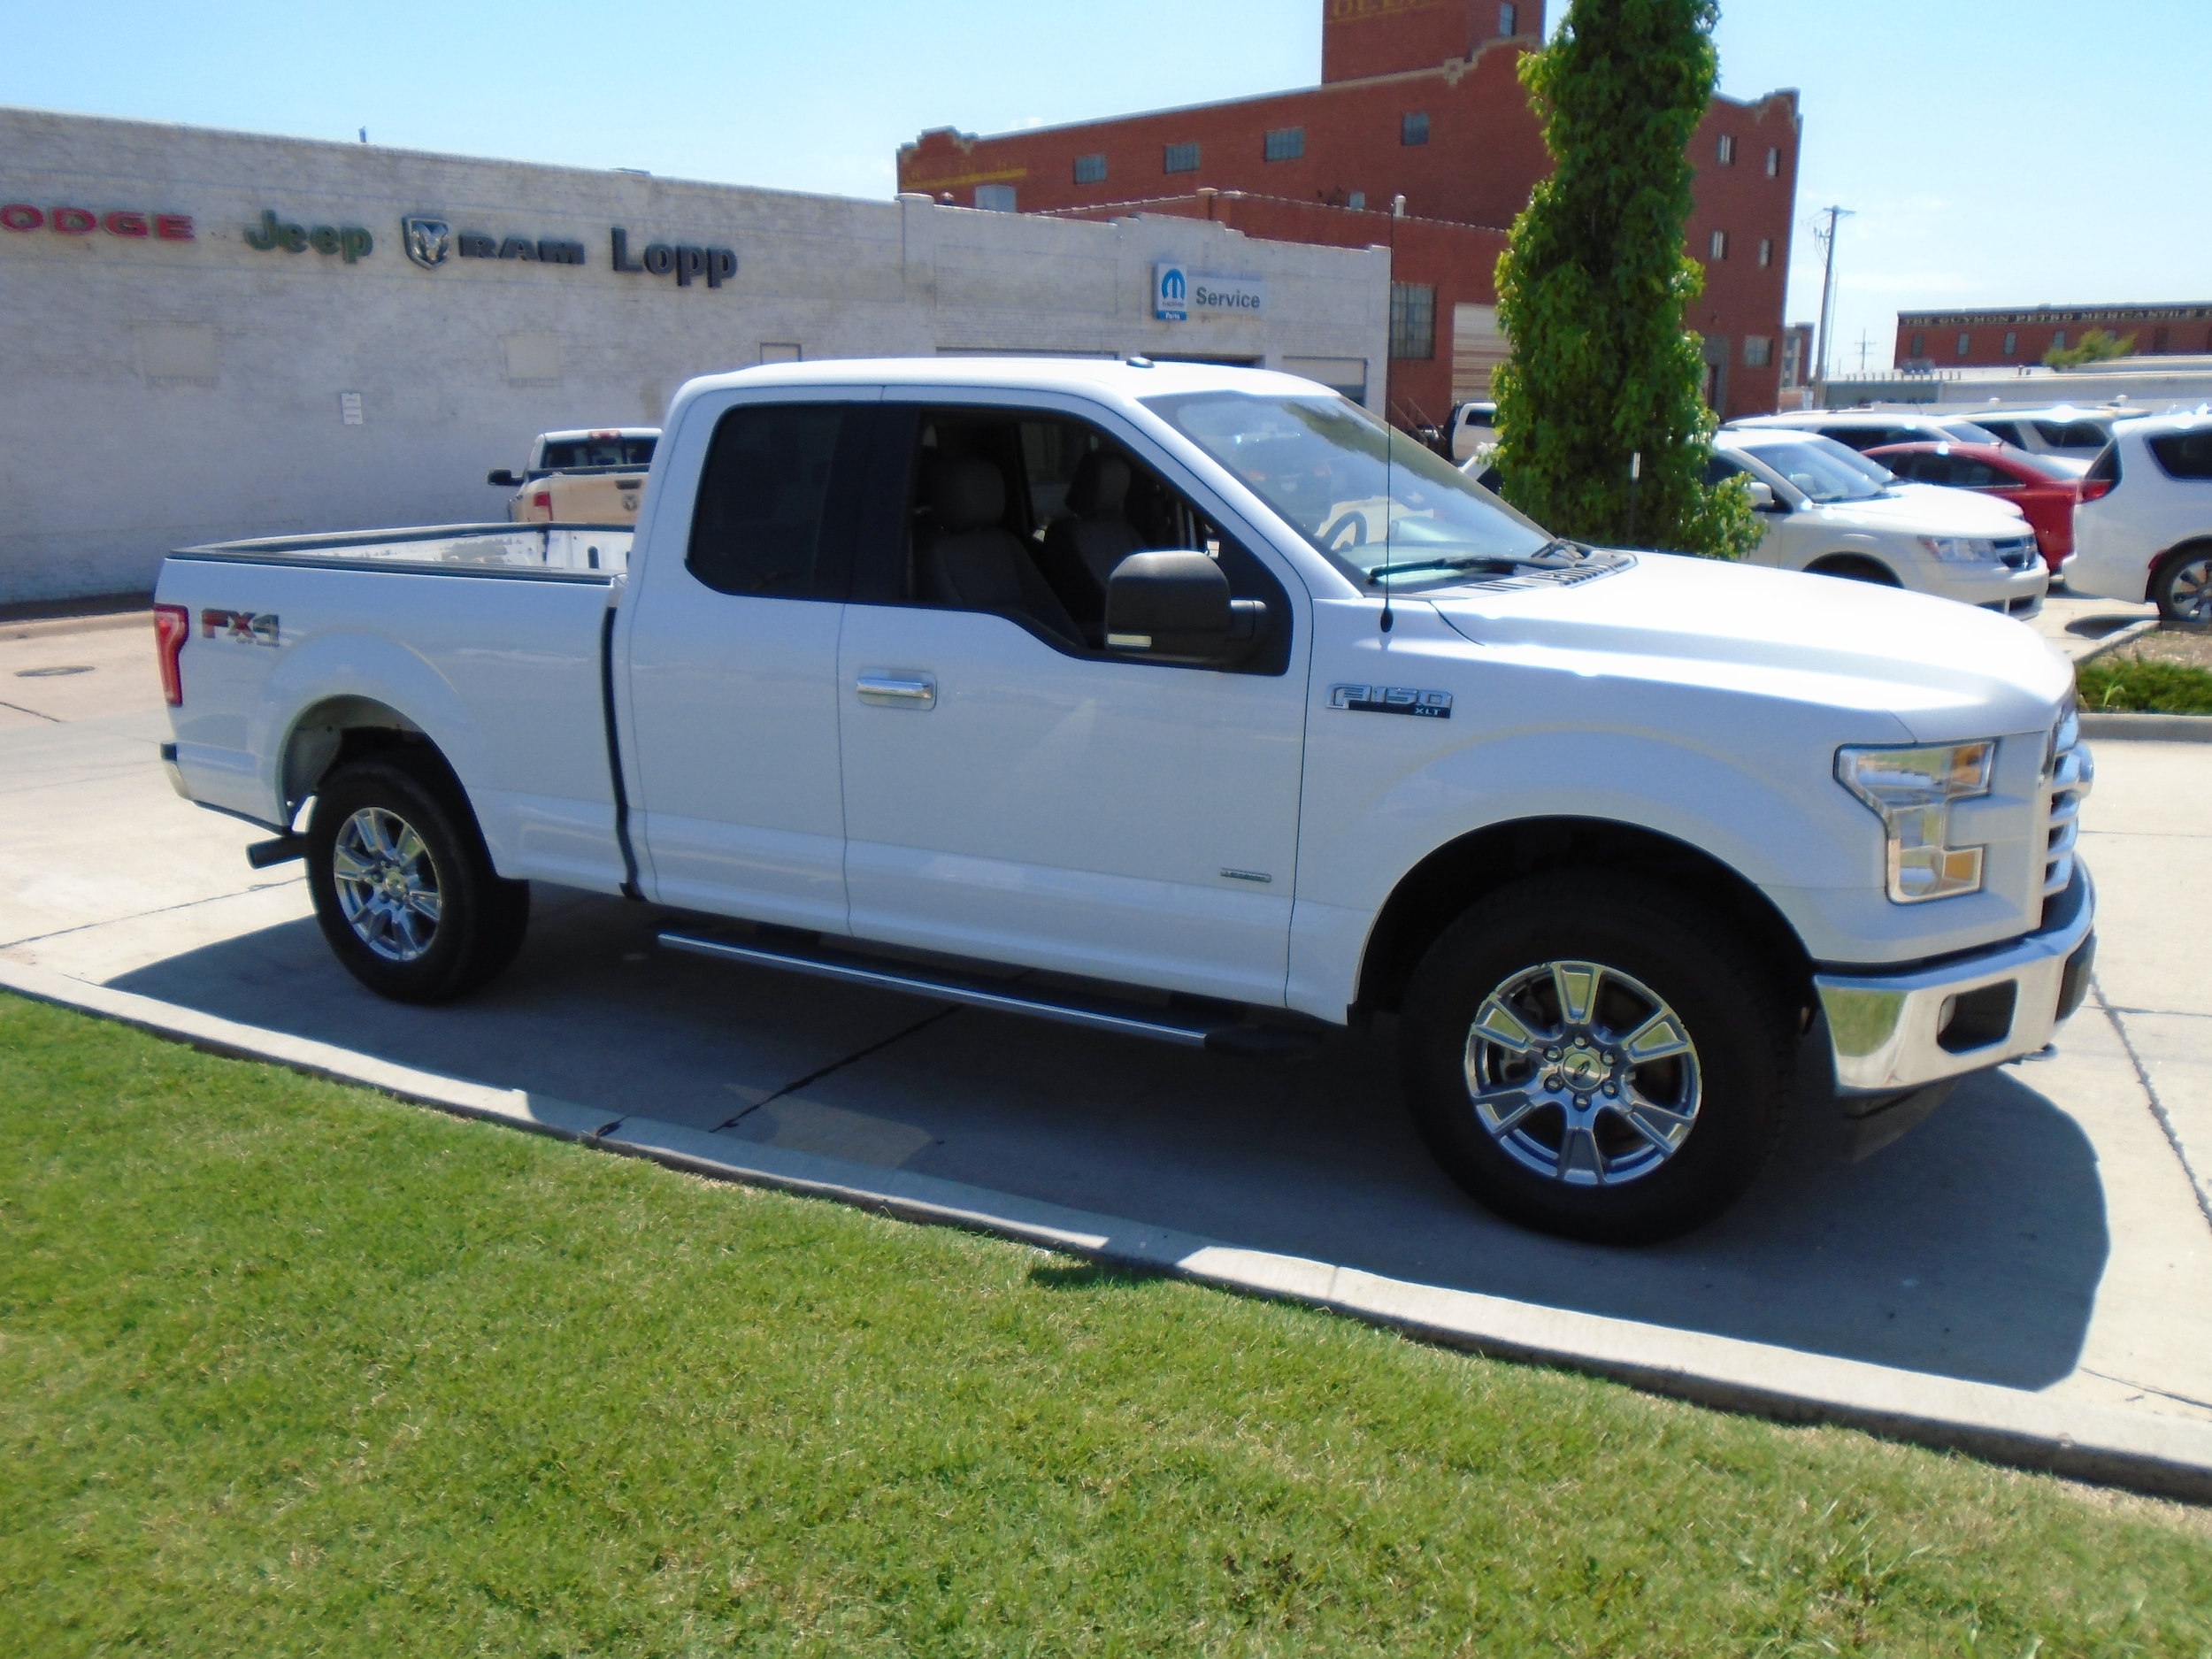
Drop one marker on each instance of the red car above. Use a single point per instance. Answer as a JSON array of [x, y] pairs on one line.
[[2043, 493]]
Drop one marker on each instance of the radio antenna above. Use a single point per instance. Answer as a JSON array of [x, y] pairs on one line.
[[1390, 448]]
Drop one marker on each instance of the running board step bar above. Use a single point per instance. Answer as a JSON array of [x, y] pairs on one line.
[[1222, 1032]]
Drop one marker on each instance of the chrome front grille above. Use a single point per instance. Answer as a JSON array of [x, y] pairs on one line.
[[2070, 772]]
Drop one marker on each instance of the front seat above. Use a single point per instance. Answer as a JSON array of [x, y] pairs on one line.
[[1081, 551], [972, 562]]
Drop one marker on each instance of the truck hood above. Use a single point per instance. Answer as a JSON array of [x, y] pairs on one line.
[[1929, 510], [1943, 671]]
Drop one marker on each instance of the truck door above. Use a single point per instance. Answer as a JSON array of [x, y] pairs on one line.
[[731, 645], [1016, 791]]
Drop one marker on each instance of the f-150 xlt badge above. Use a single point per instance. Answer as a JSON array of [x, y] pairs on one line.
[[1433, 705], [242, 625]]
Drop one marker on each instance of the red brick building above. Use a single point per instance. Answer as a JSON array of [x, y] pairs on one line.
[[1420, 98], [1996, 339]]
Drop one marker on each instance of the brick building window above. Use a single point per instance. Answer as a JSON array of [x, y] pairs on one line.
[[2012, 343], [1509, 18], [1774, 163], [1758, 351], [1285, 143], [1966, 342], [1356, 201], [1090, 170], [1413, 320], [1920, 345], [2058, 340], [1179, 158], [994, 198], [1720, 244], [1414, 128], [1727, 150], [1766, 250]]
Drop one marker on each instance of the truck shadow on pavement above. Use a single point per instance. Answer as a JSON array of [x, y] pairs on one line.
[[1971, 1248]]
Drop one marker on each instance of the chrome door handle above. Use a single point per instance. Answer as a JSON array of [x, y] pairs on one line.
[[894, 691]]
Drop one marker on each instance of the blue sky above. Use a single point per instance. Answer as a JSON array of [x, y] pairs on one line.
[[1997, 151]]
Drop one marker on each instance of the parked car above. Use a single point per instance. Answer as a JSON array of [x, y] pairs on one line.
[[1471, 427], [2144, 527], [1871, 428], [1227, 716], [2061, 430], [2043, 491], [596, 477], [1831, 513]]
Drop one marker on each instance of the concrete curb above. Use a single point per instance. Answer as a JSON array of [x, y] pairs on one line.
[[2113, 640], [2151, 728], [2165, 1456]]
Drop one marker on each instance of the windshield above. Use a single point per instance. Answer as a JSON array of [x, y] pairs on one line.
[[1825, 471], [1361, 492], [2048, 465], [584, 455]]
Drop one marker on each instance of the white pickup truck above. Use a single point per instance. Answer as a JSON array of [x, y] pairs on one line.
[[1192, 704]]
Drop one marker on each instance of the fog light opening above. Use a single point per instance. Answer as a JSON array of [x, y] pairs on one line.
[[1975, 1019]]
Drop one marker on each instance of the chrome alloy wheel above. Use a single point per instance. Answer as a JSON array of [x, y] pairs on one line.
[[2189, 590], [386, 883], [1582, 1074]]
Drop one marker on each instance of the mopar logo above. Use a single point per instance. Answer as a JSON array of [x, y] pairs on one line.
[[1170, 293]]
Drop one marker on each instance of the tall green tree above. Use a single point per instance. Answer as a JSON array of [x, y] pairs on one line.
[[1592, 286], [2097, 346]]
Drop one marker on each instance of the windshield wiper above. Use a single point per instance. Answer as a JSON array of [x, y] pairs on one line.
[[1490, 564]]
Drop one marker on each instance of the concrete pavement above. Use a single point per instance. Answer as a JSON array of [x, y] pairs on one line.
[[2046, 1232]]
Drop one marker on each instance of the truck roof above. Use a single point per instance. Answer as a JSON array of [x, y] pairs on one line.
[[1128, 378]]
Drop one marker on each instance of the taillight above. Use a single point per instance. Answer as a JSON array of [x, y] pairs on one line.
[[2092, 489], [172, 626], [543, 499]]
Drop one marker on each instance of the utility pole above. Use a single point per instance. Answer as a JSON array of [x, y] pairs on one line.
[[1827, 292]]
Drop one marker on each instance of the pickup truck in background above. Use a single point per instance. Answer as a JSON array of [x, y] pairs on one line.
[[1192, 704], [581, 476]]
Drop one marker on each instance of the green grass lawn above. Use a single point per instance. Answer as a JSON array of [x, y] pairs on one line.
[[2125, 683], [290, 1367]]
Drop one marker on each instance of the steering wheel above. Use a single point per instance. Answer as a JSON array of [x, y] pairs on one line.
[[1356, 521]]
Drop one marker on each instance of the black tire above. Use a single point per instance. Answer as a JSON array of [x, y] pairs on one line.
[[2182, 590], [379, 928], [1658, 948], [1857, 570]]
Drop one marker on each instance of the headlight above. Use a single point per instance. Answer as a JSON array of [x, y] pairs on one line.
[[1911, 791], [1961, 550]]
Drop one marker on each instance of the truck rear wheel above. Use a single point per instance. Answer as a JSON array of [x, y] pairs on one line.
[[1591, 1055], [404, 891]]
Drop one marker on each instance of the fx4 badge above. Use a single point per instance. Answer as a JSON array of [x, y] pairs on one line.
[[242, 625], [1432, 705]]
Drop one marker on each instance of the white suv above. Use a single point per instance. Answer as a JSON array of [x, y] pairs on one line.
[[2143, 528], [2061, 430], [1871, 428], [1831, 513]]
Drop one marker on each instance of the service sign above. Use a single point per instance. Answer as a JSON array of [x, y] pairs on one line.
[[1178, 294]]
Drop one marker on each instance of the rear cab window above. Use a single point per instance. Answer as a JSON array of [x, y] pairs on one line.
[[594, 455]]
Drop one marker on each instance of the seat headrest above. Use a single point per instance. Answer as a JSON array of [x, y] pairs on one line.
[[1099, 487], [967, 494]]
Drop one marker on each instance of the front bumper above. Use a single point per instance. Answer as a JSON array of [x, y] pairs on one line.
[[1892, 1032]]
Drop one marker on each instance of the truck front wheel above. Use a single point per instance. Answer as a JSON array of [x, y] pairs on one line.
[[404, 891], [1594, 1055]]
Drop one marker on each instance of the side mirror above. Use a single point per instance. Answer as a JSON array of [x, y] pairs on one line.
[[1176, 607], [503, 478], [1763, 498]]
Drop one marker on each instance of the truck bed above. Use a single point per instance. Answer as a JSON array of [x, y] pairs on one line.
[[489, 637]]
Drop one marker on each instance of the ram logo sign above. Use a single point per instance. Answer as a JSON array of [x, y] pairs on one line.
[[1170, 293]]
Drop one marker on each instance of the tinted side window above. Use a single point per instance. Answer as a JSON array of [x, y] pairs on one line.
[[2070, 435], [1922, 469], [1969, 474], [2185, 454], [759, 528], [1862, 438], [2003, 429]]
